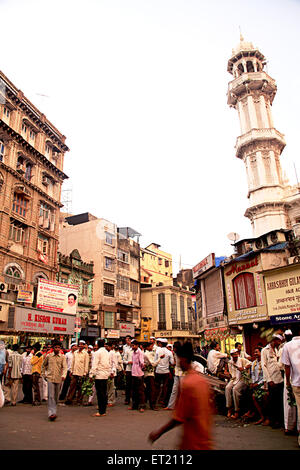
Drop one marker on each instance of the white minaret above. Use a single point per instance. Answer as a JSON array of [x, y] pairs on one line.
[[251, 93]]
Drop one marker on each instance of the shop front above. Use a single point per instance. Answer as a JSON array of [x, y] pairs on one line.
[[246, 300], [28, 325]]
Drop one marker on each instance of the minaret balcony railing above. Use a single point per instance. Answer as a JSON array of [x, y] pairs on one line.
[[256, 135], [251, 77]]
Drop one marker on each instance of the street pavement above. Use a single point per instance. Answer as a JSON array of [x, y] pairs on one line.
[[24, 427]]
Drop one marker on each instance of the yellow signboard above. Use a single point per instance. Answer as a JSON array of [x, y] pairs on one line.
[[283, 292]]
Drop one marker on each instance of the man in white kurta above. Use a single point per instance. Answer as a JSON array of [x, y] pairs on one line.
[[236, 385]]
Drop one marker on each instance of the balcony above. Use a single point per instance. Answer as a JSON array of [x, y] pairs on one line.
[[258, 135], [176, 325]]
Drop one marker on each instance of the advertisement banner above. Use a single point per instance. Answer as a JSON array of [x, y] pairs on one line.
[[58, 297], [25, 296], [126, 329], [283, 294], [204, 265], [31, 320]]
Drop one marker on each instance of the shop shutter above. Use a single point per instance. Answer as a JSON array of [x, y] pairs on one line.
[[214, 294]]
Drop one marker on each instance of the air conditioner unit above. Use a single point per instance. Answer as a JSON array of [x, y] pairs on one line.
[[275, 237], [3, 287], [294, 260], [257, 244]]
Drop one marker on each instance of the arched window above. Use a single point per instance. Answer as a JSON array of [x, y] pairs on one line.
[[14, 272], [244, 291], [250, 66], [240, 69]]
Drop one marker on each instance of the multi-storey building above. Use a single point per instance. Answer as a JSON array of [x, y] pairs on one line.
[[168, 311], [72, 270], [156, 266], [116, 286], [31, 175]]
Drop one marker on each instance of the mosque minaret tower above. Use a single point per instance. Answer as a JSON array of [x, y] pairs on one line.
[[251, 93]]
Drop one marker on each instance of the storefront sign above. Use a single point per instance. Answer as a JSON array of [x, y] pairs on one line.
[[277, 319], [126, 329], [283, 293], [112, 334], [204, 265], [245, 293], [57, 296], [237, 268], [25, 296], [32, 320]]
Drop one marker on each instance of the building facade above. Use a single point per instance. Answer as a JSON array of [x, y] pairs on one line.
[[72, 270], [115, 255], [32, 154], [168, 311], [156, 266]]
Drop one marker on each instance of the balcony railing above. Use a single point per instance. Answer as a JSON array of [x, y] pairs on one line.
[[176, 325], [162, 325]]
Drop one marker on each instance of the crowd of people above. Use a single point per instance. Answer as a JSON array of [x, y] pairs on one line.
[[266, 384], [263, 387], [147, 374]]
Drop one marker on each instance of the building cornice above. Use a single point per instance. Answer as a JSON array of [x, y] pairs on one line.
[[32, 150]]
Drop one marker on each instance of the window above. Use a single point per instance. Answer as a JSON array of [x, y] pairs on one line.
[[48, 151], [123, 256], [24, 128], [20, 204], [244, 291], [32, 134], [162, 307], [167, 264], [28, 171], [46, 217], [174, 308], [109, 238], [122, 282], [109, 289], [160, 261], [14, 272], [1, 151], [109, 320], [17, 232], [85, 288], [43, 244], [6, 112], [182, 309], [109, 263]]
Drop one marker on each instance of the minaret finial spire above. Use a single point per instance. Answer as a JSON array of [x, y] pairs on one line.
[[241, 36]]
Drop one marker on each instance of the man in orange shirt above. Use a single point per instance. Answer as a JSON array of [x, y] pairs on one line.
[[193, 408]]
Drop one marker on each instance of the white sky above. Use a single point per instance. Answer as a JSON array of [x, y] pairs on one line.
[[139, 87]]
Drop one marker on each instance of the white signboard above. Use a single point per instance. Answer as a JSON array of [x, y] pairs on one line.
[[35, 321], [204, 265], [58, 297], [126, 329]]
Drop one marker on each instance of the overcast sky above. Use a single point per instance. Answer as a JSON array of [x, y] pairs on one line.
[[139, 87]]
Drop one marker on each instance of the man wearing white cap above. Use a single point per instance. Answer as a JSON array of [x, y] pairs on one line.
[[270, 361], [67, 381], [291, 360], [78, 371], [153, 341], [236, 385], [163, 370]]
